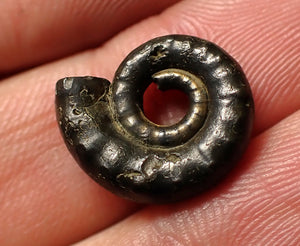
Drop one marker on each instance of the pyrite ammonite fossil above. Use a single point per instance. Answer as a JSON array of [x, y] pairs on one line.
[[106, 131]]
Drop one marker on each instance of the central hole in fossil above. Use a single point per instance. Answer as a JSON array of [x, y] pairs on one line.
[[165, 107]]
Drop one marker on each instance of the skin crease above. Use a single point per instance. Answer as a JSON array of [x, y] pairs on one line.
[[66, 27], [46, 198]]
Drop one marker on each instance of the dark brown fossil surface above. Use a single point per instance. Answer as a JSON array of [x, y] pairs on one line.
[[105, 129]]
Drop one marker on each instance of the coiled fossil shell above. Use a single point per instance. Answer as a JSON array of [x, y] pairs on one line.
[[106, 131]]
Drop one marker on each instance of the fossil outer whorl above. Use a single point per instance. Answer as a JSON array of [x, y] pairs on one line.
[[105, 128]]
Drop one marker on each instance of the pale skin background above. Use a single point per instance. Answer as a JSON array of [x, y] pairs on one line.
[[46, 199]]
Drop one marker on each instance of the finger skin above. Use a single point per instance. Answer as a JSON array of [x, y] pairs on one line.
[[165, 107], [37, 174], [34, 32], [259, 204]]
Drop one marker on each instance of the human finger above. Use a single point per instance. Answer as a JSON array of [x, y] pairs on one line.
[[30, 138], [33, 32]]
